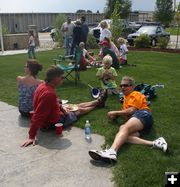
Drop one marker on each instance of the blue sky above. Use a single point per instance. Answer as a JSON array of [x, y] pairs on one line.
[[66, 5]]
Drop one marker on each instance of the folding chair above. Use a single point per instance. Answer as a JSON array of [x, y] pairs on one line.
[[68, 70]]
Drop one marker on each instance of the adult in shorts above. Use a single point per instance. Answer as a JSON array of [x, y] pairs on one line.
[[48, 111], [138, 118]]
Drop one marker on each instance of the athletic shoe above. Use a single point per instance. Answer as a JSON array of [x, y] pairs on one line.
[[102, 98], [161, 144], [108, 155]]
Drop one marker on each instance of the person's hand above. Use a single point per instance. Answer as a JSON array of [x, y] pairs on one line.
[[28, 142]]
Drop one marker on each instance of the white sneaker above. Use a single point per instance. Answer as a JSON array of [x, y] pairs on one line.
[[108, 155], [161, 144]]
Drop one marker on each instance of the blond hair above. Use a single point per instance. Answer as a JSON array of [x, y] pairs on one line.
[[121, 40], [81, 44], [107, 59], [103, 24]]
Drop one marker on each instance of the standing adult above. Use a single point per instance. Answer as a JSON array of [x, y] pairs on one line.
[[31, 45], [138, 118], [27, 85], [77, 36], [67, 29], [105, 32], [85, 30]]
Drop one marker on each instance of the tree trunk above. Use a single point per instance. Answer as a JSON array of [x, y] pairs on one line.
[[177, 40]]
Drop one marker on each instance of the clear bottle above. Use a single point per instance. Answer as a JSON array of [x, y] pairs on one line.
[[87, 130]]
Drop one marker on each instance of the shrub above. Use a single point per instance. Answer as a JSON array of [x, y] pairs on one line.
[[60, 19], [162, 42], [143, 41], [91, 42]]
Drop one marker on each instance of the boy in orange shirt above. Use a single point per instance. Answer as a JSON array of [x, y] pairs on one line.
[[138, 118]]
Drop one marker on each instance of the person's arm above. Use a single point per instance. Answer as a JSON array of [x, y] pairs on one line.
[[100, 74], [90, 57], [18, 79], [122, 113], [62, 28], [115, 49], [113, 74]]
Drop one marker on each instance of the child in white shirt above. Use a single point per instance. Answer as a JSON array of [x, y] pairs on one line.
[[123, 51]]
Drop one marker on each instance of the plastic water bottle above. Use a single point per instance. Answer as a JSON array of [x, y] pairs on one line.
[[87, 130]]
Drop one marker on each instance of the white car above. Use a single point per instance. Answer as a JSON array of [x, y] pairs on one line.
[[126, 29]]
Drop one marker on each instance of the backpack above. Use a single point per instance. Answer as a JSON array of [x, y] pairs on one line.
[[147, 90]]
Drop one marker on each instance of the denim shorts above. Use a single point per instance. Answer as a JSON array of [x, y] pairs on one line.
[[68, 119], [145, 117]]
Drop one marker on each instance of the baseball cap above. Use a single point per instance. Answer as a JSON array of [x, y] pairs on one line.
[[103, 42]]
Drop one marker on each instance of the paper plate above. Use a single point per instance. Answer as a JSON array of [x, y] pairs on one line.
[[64, 101]]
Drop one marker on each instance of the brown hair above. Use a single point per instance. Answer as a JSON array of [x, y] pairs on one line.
[[53, 72], [34, 66]]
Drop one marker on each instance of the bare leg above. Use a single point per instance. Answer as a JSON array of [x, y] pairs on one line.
[[84, 110], [133, 125], [138, 141], [88, 104]]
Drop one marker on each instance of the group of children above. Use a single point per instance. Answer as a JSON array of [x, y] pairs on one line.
[[112, 59], [107, 47]]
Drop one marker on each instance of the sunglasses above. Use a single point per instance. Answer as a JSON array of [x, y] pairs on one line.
[[125, 85]]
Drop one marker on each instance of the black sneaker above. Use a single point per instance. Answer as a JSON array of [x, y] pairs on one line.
[[101, 101]]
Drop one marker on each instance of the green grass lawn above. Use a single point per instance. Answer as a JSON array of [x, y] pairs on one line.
[[137, 166]]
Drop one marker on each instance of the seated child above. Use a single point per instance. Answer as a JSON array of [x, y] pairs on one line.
[[112, 46], [123, 51], [107, 76], [106, 50], [86, 58]]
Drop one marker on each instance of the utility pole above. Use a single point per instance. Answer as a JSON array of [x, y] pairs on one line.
[[1, 36]]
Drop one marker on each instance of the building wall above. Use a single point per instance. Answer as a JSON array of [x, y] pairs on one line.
[[15, 41], [18, 22], [141, 16]]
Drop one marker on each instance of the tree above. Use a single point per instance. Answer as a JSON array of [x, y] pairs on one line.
[[60, 19], [80, 11], [164, 12], [116, 28], [124, 9], [89, 11]]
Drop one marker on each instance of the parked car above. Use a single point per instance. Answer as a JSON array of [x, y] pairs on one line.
[[154, 31], [126, 29], [137, 24], [47, 29]]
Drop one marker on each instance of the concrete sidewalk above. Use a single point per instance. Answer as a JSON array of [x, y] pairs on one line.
[[21, 51], [53, 162]]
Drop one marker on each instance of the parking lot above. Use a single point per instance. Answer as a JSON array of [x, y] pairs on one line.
[[47, 42]]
